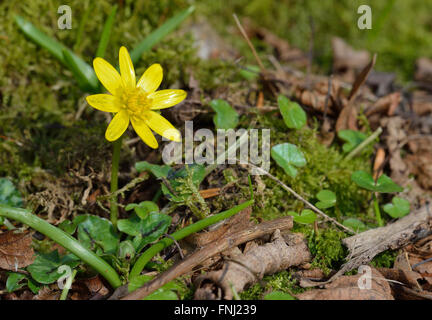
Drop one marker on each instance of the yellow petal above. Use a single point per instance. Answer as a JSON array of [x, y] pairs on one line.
[[166, 98], [109, 76], [104, 102], [151, 79], [144, 132], [162, 126], [117, 126], [127, 70]]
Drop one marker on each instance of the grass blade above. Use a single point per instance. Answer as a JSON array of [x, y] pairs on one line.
[[159, 33], [57, 49], [106, 32]]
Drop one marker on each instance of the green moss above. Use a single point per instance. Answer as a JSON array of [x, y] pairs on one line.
[[325, 169], [385, 259], [281, 281]]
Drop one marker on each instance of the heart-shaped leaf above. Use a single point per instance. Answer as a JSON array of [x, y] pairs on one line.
[[352, 139], [294, 116], [156, 170], [288, 156], [97, 234], [226, 117], [278, 295], [15, 281], [143, 209], [9, 195], [306, 216], [45, 267], [175, 177], [398, 208], [384, 184], [354, 224], [327, 199], [148, 229]]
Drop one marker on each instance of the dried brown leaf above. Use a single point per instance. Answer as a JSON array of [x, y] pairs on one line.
[[15, 250]]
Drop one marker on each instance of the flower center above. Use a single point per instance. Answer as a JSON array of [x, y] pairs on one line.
[[136, 101]]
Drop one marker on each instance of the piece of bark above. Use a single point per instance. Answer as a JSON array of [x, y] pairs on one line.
[[235, 223], [363, 247], [251, 266], [347, 288], [16, 250], [206, 252]]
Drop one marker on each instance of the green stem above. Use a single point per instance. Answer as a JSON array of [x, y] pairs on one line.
[[65, 240], [178, 235], [377, 211], [67, 286], [114, 180]]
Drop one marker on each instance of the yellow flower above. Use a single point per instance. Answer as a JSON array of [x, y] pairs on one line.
[[134, 101]]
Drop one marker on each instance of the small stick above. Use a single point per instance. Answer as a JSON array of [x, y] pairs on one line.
[[299, 197], [243, 32], [208, 251], [362, 145]]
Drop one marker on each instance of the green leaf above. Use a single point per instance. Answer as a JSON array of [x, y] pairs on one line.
[[384, 183], [352, 138], [150, 228], [398, 208], [354, 224], [15, 281], [143, 209], [293, 115], [126, 250], [156, 170], [44, 268], [56, 49], [163, 293], [159, 34], [97, 233], [198, 173], [327, 199], [9, 195], [82, 75], [106, 32], [34, 286], [68, 226], [288, 156], [278, 295], [306, 217], [251, 72], [226, 117]]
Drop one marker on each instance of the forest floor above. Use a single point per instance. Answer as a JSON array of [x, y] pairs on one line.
[[346, 195]]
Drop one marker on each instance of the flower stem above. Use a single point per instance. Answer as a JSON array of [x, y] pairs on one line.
[[68, 285], [65, 240], [377, 211], [114, 180], [178, 235]]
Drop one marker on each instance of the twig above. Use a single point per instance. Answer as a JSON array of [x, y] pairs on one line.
[[364, 143], [176, 244], [244, 34], [121, 191], [208, 251], [299, 197]]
